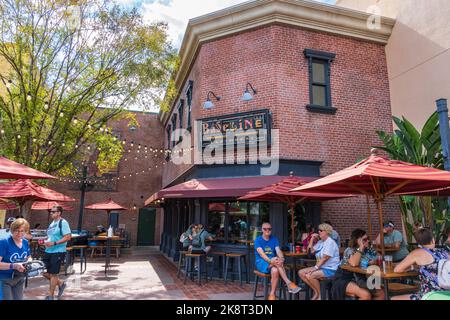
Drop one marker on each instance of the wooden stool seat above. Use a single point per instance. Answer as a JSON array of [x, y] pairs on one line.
[[235, 254], [401, 288], [193, 254], [260, 274], [80, 246], [69, 248]]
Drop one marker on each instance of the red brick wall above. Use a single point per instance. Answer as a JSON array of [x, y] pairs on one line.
[[130, 191], [272, 59]]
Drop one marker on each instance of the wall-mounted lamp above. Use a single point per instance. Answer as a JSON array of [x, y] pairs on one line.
[[247, 96], [208, 103]]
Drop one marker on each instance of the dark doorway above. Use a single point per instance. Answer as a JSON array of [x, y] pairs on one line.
[[146, 227]]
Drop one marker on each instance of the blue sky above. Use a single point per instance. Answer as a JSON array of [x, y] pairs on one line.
[[178, 12]]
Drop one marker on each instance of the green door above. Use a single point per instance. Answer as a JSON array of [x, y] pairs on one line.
[[146, 227]]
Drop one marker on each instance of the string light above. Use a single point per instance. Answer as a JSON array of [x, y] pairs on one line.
[[61, 114], [29, 96], [18, 136], [2, 131], [9, 84], [46, 105], [75, 120]]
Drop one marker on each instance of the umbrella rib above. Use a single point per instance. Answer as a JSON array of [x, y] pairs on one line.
[[400, 185], [357, 189]]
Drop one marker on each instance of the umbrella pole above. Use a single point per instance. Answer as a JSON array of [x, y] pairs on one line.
[[368, 216], [380, 219], [48, 216], [292, 223]]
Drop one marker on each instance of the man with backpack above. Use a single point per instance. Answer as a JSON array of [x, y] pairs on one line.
[[199, 238], [59, 234]]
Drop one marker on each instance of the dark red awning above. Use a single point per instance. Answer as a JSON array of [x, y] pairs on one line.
[[210, 188]]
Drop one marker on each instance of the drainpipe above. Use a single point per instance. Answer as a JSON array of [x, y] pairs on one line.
[[445, 131]]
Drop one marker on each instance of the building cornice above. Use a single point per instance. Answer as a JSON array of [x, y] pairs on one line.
[[258, 13]]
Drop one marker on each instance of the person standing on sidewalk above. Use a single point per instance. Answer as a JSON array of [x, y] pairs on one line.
[[14, 251], [59, 234]]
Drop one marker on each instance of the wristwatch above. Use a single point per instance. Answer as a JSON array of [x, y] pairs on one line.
[[316, 267], [11, 266]]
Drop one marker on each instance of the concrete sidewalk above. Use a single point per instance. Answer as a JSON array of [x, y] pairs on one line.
[[137, 275]]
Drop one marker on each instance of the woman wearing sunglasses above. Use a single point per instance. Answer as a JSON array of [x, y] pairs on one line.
[[358, 254], [327, 255]]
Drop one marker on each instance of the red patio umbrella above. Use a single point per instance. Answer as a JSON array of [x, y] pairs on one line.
[[7, 205], [48, 205], [280, 192], [108, 206], [12, 170], [24, 190], [380, 177]]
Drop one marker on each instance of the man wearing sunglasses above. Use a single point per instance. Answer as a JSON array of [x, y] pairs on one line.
[[59, 234], [270, 259]]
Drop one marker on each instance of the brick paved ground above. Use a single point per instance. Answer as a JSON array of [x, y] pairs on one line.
[[139, 275]]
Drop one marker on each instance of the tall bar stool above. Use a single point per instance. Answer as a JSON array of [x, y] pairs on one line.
[[83, 258], [220, 256], [190, 258], [181, 262], [265, 277], [241, 258]]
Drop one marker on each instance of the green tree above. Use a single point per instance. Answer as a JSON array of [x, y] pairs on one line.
[[422, 148], [68, 68]]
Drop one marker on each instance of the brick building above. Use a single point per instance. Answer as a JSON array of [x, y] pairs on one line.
[[321, 79], [143, 224]]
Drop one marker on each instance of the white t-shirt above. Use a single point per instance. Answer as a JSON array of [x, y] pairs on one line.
[[329, 248]]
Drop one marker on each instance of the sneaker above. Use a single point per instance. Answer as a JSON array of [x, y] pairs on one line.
[[271, 297], [293, 288], [49, 298], [61, 289]]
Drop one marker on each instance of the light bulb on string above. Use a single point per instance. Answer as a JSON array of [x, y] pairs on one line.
[[9, 84], [2, 131], [61, 114], [18, 136], [46, 106], [75, 120], [29, 96]]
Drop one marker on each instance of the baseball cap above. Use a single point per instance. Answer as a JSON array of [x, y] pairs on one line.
[[10, 220], [389, 224]]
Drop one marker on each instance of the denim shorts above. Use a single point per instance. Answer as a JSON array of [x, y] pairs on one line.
[[328, 272]]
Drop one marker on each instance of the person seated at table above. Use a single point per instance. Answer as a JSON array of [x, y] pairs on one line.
[[327, 255], [427, 258], [269, 259], [199, 237], [393, 239], [306, 237], [101, 231], [334, 234], [358, 254], [186, 237]]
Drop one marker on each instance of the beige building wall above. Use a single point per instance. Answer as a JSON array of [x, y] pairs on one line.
[[418, 54]]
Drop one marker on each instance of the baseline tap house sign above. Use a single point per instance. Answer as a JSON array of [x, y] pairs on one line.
[[248, 127]]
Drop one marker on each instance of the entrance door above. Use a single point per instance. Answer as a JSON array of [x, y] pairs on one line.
[[146, 227]]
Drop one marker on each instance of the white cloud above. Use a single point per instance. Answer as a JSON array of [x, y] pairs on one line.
[[178, 12]]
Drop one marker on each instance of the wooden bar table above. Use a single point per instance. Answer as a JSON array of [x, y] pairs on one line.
[[294, 256], [108, 241], [385, 276]]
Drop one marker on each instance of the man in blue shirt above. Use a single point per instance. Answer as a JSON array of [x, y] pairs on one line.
[[270, 259], [58, 234]]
